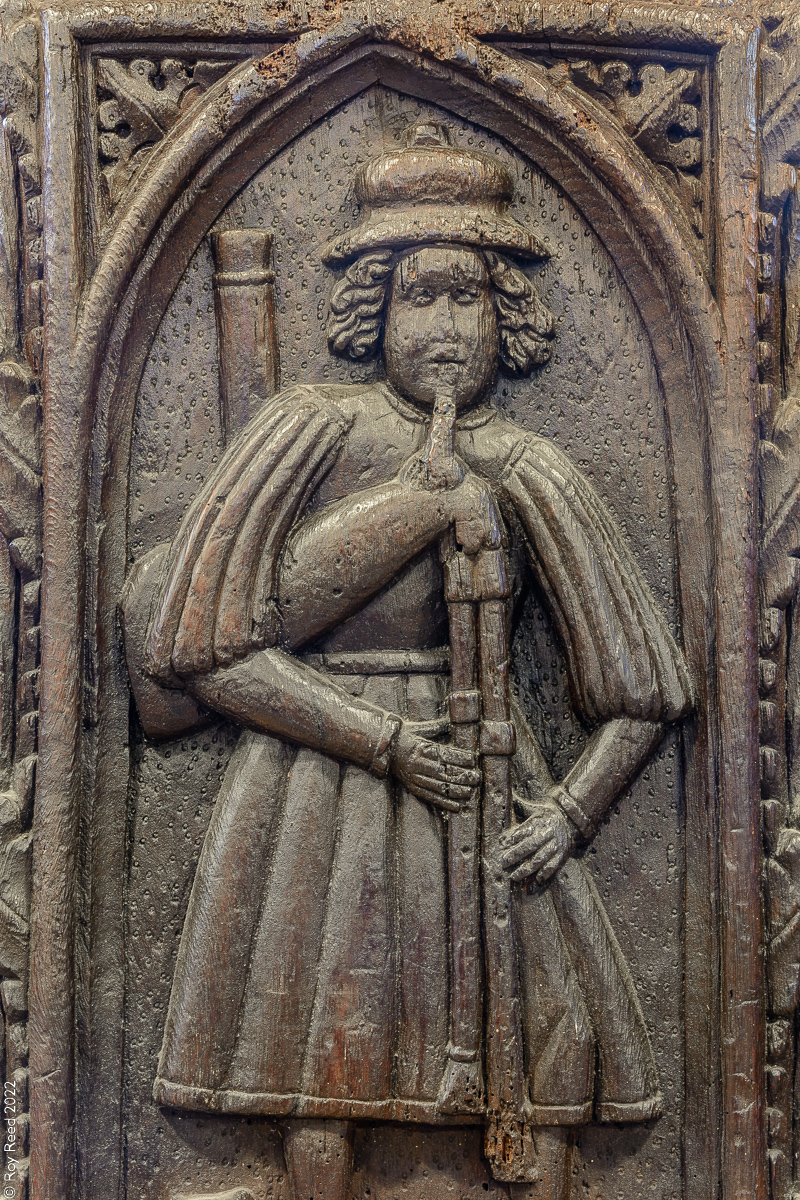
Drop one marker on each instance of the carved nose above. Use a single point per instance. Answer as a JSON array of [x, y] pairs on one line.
[[443, 319]]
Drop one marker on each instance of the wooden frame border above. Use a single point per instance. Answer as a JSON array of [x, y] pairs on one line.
[[732, 446]]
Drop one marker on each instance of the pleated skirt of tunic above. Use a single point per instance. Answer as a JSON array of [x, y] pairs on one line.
[[312, 977], [312, 974]]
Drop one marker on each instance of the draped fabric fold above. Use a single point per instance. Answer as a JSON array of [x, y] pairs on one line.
[[622, 660], [334, 880], [217, 596]]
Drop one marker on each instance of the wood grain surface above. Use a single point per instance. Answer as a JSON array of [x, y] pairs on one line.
[[399, 465]]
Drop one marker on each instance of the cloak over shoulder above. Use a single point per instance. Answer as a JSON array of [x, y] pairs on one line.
[[216, 601], [622, 660]]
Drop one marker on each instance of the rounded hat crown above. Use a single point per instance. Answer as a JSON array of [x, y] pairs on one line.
[[431, 169], [433, 191]]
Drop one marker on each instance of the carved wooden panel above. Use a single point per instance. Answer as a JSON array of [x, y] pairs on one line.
[[398, 613]]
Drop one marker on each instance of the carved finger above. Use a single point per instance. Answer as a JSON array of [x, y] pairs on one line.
[[429, 729], [430, 769], [518, 833], [463, 776], [458, 757], [530, 844], [535, 862], [445, 772], [440, 787], [472, 537], [438, 801], [549, 869], [514, 834]]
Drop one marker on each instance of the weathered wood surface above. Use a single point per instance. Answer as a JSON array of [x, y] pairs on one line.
[[398, 615]]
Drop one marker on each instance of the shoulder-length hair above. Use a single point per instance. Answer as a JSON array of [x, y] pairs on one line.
[[355, 325]]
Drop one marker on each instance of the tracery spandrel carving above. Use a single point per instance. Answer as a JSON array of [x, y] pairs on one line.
[[661, 106], [139, 100]]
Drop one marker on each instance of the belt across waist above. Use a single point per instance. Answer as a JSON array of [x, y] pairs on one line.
[[382, 662]]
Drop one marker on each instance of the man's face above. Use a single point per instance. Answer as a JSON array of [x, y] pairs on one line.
[[441, 330]]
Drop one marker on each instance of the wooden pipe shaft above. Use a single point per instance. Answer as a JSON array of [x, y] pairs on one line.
[[245, 310], [463, 851]]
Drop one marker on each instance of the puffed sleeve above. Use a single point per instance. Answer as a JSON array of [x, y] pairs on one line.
[[622, 659], [216, 598]]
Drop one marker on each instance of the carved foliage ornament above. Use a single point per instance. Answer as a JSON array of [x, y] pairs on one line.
[[660, 106], [138, 102], [20, 540]]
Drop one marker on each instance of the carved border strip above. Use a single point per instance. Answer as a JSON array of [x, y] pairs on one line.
[[742, 1028], [648, 25]]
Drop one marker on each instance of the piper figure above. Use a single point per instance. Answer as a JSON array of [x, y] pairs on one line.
[[390, 919]]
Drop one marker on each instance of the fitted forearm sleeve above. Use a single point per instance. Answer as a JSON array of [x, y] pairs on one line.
[[612, 759], [338, 559], [274, 693]]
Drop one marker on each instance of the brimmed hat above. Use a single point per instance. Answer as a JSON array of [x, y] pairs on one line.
[[432, 191]]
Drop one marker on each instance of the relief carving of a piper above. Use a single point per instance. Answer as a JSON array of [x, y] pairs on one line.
[[390, 919]]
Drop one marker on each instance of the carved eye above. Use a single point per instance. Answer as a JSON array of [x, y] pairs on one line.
[[420, 296], [465, 295]]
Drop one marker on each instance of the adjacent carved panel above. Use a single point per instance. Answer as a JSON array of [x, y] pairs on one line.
[[780, 545], [20, 551]]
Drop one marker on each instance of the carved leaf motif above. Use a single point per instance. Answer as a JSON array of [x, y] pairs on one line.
[[780, 507], [660, 110], [20, 184], [783, 922], [143, 100], [18, 104], [20, 481], [20, 527], [780, 110], [15, 887], [20, 507]]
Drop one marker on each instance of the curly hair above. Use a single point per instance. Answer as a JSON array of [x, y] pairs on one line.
[[524, 323], [357, 303]]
